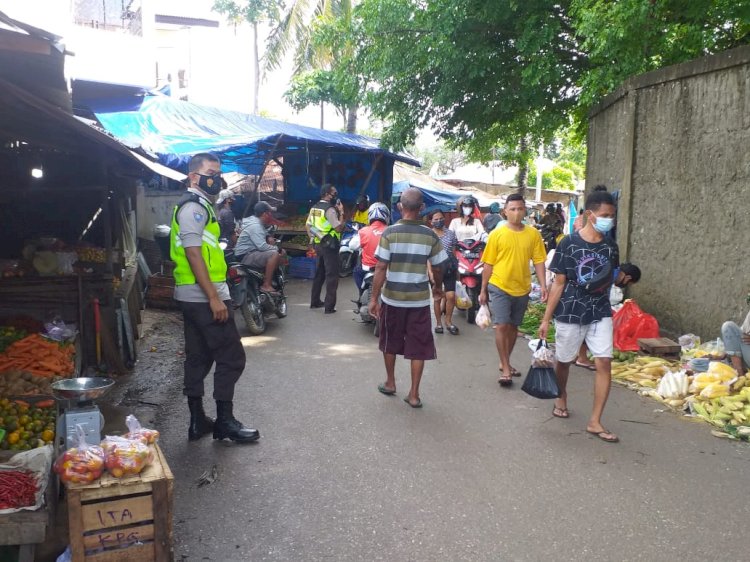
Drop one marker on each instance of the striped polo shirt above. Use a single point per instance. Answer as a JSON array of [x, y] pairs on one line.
[[406, 247]]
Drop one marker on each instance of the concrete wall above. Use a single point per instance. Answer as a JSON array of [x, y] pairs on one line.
[[154, 207], [677, 143]]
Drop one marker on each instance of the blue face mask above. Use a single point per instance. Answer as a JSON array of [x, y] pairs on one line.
[[604, 224]]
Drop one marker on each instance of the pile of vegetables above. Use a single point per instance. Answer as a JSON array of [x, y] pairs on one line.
[[10, 335], [18, 383], [26, 426], [533, 318], [18, 489], [38, 356]]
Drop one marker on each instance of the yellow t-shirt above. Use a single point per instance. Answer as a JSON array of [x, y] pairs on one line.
[[360, 216], [509, 252]]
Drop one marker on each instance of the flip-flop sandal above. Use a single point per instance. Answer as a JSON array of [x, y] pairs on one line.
[[439, 329], [565, 414], [453, 330], [586, 366], [515, 372], [387, 391], [505, 381], [417, 404], [601, 435]]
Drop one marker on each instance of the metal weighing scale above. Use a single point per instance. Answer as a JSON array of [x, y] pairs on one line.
[[76, 397]]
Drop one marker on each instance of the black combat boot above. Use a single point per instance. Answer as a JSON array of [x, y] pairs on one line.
[[200, 424], [227, 426]]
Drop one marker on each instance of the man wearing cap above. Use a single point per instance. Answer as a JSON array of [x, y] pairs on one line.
[[226, 216], [255, 247], [324, 226]]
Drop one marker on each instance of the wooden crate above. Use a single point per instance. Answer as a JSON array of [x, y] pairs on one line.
[[659, 346], [123, 519]]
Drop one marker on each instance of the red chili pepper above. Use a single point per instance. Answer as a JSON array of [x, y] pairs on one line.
[[17, 489]]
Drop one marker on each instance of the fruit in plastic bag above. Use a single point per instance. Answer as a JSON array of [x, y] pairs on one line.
[[125, 457], [82, 463], [483, 319], [137, 432], [722, 370], [463, 302]]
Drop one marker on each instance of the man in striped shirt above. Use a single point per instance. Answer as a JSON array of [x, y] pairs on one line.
[[401, 275]]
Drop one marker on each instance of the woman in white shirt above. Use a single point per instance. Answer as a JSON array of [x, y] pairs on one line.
[[467, 225]]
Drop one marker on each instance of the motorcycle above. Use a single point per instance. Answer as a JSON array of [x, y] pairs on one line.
[[469, 255], [363, 303], [347, 256], [254, 305]]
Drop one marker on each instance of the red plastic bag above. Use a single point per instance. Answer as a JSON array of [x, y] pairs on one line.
[[630, 324]]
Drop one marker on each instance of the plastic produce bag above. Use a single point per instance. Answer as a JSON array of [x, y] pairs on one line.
[[543, 356], [139, 433], [688, 341], [124, 457], [82, 463], [541, 382], [630, 324], [673, 385], [484, 318], [463, 301]]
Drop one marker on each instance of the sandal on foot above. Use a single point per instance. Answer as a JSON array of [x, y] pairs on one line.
[[515, 372], [560, 412], [505, 381], [604, 435], [588, 366], [387, 391], [453, 330], [417, 404], [438, 329]]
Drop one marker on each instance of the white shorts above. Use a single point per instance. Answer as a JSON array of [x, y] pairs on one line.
[[569, 337]]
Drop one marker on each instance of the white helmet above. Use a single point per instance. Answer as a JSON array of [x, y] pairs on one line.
[[378, 212]]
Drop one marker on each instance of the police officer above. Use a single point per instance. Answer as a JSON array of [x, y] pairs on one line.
[[211, 335], [324, 225]]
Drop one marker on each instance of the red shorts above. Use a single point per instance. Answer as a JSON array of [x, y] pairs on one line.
[[407, 332]]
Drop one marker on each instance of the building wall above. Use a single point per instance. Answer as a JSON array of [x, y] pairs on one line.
[[675, 141]]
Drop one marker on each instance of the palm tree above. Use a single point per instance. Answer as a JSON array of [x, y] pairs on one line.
[[294, 32], [252, 12]]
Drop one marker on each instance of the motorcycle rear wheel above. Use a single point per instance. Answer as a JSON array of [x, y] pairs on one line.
[[252, 312]]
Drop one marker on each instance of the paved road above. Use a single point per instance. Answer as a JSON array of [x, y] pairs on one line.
[[480, 473]]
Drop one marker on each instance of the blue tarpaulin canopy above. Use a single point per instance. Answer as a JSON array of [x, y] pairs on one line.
[[174, 130]]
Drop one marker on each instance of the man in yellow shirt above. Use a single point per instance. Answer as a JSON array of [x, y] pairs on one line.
[[506, 279]]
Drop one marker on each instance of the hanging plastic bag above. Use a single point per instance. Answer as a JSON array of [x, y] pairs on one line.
[[484, 318], [631, 324], [81, 463], [137, 432], [463, 302], [541, 382]]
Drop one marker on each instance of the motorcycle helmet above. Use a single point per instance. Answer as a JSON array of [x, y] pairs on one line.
[[378, 212], [469, 201], [363, 201]]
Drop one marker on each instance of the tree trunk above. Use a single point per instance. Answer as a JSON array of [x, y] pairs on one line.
[[523, 165], [322, 107], [351, 119], [256, 69]]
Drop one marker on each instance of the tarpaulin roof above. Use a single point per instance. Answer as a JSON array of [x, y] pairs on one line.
[[174, 130]]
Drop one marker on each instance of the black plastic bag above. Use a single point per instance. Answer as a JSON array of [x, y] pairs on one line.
[[541, 382]]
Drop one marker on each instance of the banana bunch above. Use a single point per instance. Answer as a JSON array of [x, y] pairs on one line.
[[642, 371]]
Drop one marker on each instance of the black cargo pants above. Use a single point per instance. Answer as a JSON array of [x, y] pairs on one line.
[[208, 342], [327, 270]]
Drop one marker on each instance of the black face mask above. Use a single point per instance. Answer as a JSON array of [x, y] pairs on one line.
[[210, 184]]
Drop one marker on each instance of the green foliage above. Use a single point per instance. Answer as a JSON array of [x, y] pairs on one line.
[[316, 86], [448, 159], [487, 74], [559, 178], [250, 11]]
